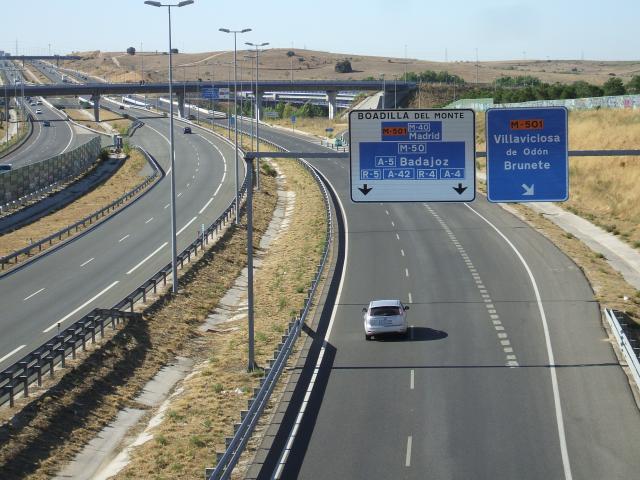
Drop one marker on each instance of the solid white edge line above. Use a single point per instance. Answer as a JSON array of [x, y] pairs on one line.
[[185, 227], [206, 205], [407, 460], [552, 368], [53, 325], [88, 261], [224, 162], [285, 453], [12, 352], [147, 258], [33, 294]]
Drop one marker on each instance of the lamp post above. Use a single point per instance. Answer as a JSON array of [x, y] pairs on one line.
[[256, 103], [235, 102], [384, 92], [174, 251]]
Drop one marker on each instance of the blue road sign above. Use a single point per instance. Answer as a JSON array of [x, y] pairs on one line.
[[215, 93], [412, 155], [293, 119], [527, 155]]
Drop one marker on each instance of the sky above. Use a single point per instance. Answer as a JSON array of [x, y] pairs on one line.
[[446, 30]]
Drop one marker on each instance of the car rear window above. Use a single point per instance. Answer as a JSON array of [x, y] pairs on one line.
[[384, 311]]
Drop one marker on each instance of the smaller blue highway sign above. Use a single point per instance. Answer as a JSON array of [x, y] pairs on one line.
[[527, 155], [215, 93], [412, 155]]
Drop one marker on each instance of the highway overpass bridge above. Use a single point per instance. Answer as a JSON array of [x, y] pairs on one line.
[[96, 90]]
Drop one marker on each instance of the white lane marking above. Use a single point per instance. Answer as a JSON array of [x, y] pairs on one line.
[[393, 224], [554, 378], [397, 237], [12, 352], [148, 220], [406, 272], [387, 212], [411, 382], [224, 161], [407, 460], [410, 299], [147, 258], [402, 252], [124, 238], [88, 261], [193, 177], [54, 325], [180, 194], [205, 205], [185, 227], [188, 185], [217, 190], [167, 206], [32, 295], [292, 435]]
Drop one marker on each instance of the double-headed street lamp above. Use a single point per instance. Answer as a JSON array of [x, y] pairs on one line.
[[257, 102], [235, 104], [174, 251]]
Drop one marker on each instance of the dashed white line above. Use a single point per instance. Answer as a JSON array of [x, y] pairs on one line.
[[88, 261], [12, 352], [124, 238], [205, 206], [393, 224], [180, 194], [411, 381], [402, 252], [147, 258], [53, 325], [407, 460], [149, 220], [406, 272], [397, 237], [410, 299], [184, 228], [32, 295]]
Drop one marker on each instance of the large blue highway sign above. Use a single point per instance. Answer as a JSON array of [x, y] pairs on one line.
[[527, 155], [215, 93], [412, 155]]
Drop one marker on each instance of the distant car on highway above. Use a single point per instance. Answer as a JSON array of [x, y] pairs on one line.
[[38, 111], [5, 167], [39, 102], [385, 316], [46, 123], [187, 130]]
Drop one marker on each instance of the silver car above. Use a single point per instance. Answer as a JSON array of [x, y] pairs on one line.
[[385, 316]]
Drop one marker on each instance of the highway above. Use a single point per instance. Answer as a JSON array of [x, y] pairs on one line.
[[45, 142], [101, 267], [506, 372]]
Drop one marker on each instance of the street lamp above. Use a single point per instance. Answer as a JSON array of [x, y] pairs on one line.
[[257, 102], [235, 103], [384, 92], [174, 251]]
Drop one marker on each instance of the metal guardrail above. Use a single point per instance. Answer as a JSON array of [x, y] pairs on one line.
[[614, 318], [80, 224], [235, 445], [12, 148], [16, 378]]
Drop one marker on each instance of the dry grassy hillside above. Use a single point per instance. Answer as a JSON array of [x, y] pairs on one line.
[[275, 64]]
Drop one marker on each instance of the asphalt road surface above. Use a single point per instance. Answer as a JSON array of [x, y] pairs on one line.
[[101, 267], [506, 373]]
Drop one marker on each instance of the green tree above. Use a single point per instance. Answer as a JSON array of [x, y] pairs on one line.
[[634, 84], [614, 86], [343, 66]]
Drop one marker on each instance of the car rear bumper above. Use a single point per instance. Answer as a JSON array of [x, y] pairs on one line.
[[376, 330]]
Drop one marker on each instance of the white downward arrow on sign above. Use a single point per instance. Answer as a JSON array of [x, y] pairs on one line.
[[528, 190]]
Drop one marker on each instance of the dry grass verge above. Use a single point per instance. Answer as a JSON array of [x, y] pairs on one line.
[[112, 120], [50, 430], [315, 126], [125, 179], [203, 414]]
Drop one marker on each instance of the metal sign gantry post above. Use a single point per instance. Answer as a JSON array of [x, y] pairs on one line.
[[248, 158]]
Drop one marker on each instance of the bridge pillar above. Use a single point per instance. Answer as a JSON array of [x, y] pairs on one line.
[[331, 98], [180, 104], [95, 98]]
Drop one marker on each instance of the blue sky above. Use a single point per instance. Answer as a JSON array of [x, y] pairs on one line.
[[498, 29]]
